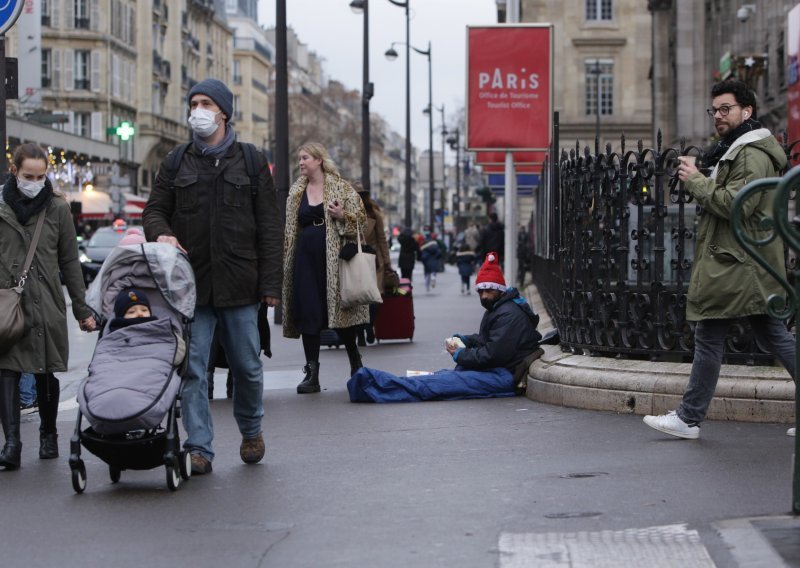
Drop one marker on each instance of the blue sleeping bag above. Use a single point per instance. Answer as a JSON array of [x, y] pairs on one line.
[[373, 385]]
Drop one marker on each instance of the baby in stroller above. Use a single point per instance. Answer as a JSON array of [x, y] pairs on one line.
[[146, 292], [132, 307]]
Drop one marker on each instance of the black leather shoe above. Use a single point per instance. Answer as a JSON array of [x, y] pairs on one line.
[[11, 456], [310, 382], [48, 446]]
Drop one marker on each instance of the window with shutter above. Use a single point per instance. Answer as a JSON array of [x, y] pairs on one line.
[[47, 68], [69, 14], [115, 90], [95, 71], [56, 59], [55, 12], [98, 133], [69, 66], [94, 16]]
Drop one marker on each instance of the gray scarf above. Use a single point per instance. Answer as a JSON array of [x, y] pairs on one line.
[[220, 149]]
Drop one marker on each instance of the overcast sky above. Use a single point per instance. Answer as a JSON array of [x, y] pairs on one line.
[[334, 32]]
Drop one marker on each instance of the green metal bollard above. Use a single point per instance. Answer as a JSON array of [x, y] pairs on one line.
[[777, 306]]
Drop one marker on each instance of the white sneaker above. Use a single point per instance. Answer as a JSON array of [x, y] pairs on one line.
[[791, 432], [670, 423]]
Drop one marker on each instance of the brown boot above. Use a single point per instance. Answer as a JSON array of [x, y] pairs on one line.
[[252, 449]]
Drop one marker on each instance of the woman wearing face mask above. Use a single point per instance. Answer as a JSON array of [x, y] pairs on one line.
[[43, 350]]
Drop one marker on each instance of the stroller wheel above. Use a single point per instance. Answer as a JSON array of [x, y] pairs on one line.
[[114, 473], [173, 477], [79, 478], [185, 462]]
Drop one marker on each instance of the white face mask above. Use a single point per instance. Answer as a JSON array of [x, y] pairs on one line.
[[203, 122], [29, 189]]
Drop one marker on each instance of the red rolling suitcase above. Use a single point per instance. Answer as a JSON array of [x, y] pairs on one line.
[[395, 319]]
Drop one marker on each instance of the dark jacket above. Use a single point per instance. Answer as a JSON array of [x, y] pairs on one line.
[[45, 346], [233, 235], [409, 251], [493, 239], [430, 253], [507, 335], [466, 262]]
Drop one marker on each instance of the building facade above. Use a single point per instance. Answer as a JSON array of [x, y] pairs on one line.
[[697, 44], [601, 79]]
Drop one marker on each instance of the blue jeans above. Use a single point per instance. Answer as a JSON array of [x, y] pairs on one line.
[[27, 389], [709, 338], [238, 334]]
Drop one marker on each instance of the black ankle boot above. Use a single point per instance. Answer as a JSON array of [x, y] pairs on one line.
[[48, 445], [310, 382], [355, 362], [9, 418]]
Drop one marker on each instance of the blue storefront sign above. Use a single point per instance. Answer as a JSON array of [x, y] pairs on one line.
[[525, 183]]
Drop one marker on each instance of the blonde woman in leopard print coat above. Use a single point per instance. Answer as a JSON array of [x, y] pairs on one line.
[[322, 214]]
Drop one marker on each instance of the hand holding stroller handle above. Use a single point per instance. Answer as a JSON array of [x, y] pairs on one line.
[[170, 240]]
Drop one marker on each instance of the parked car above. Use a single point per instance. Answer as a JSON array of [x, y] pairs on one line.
[[94, 252]]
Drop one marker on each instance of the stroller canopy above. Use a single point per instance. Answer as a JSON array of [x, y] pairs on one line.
[[146, 265]]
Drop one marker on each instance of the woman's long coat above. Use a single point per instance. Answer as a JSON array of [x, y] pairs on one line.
[[376, 238], [44, 348], [337, 233]]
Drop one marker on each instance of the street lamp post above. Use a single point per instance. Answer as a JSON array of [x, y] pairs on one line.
[[443, 191], [367, 91], [453, 140], [407, 220], [391, 55]]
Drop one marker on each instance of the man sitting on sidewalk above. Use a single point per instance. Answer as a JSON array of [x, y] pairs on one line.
[[490, 363]]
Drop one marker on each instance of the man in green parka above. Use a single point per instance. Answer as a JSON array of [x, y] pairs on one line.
[[726, 282]]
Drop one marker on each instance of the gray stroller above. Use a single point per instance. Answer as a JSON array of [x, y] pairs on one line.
[[130, 396]]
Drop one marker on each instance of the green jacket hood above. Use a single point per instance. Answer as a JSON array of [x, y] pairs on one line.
[[770, 146]]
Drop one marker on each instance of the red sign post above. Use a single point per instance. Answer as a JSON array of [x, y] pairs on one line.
[[509, 87]]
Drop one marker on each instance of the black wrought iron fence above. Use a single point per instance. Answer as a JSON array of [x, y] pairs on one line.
[[613, 241]]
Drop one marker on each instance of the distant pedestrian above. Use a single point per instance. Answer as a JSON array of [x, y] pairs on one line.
[[465, 260], [27, 393], [375, 237], [431, 255], [472, 236], [230, 225], [726, 283], [409, 253], [323, 212], [44, 349], [493, 238]]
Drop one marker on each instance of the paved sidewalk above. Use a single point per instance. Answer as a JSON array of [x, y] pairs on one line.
[[476, 483], [744, 394]]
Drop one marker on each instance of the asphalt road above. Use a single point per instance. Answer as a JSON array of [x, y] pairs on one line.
[[431, 484]]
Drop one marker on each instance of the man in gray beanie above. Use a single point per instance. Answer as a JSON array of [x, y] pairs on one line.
[[215, 199]]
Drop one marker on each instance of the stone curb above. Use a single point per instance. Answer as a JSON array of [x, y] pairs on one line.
[[744, 393]]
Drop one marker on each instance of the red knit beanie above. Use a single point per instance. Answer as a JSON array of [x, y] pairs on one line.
[[490, 277]]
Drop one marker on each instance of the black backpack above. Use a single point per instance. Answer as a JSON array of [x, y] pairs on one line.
[[173, 163]]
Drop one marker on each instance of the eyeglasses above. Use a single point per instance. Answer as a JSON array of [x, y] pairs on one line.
[[723, 110]]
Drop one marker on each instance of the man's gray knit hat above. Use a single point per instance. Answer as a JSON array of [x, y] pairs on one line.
[[217, 91]]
